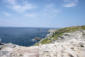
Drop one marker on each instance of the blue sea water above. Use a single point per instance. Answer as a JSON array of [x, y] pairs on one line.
[[21, 35]]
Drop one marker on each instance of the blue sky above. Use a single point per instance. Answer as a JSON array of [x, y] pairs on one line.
[[42, 13]]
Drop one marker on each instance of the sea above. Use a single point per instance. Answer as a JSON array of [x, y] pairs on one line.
[[22, 35]]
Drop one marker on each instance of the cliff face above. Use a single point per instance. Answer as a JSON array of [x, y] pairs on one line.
[[63, 43], [59, 32], [69, 45]]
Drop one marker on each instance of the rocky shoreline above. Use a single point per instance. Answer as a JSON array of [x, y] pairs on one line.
[[11, 50], [71, 44]]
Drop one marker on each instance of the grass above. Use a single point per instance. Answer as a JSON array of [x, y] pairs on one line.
[[59, 33]]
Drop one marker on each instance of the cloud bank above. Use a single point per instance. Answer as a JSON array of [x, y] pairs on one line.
[[70, 3], [20, 7]]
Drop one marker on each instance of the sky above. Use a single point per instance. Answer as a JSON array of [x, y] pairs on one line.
[[42, 13]]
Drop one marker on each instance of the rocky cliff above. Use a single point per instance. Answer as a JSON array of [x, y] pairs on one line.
[[70, 45], [66, 42]]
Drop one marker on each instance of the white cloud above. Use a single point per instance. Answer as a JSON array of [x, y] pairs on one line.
[[6, 14], [12, 1], [50, 10], [23, 8], [70, 3], [30, 15], [16, 6]]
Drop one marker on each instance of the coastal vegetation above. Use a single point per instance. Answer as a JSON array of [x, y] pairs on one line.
[[58, 33]]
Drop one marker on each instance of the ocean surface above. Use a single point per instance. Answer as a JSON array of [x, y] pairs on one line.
[[21, 35]]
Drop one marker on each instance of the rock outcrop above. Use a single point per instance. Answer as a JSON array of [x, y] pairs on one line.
[[11, 50], [71, 44]]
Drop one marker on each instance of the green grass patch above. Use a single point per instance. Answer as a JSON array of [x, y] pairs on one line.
[[60, 32]]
